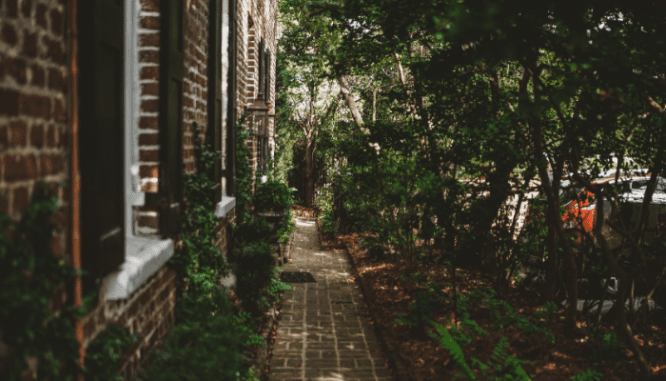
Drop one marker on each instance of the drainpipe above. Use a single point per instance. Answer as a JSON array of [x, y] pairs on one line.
[[75, 181]]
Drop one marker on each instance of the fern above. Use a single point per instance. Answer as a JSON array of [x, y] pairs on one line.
[[500, 363], [588, 375], [454, 349]]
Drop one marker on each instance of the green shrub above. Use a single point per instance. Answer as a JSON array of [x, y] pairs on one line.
[[209, 349], [606, 347], [501, 365], [105, 352], [29, 275], [254, 268], [199, 263], [277, 287], [251, 230], [272, 196], [288, 227], [243, 175], [588, 375]]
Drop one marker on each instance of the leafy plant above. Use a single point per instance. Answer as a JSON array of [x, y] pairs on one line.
[[588, 375], [548, 310], [447, 341], [243, 175], [500, 366], [254, 264], [288, 227], [210, 347], [272, 196], [505, 316], [277, 287], [606, 347], [105, 352], [30, 274], [424, 304], [251, 230]]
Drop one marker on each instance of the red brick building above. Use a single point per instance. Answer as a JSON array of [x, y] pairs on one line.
[[100, 99]]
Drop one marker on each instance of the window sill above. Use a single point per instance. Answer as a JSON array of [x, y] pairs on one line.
[[225, 206], [143, 257]]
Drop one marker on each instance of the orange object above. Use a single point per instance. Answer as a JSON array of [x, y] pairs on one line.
[[75, 186], [581, 209]]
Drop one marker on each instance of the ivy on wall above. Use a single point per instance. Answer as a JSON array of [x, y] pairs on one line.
[[29, 277], [199, 263], [105, 352]]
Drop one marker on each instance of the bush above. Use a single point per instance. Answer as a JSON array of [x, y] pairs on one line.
[[254, 268], [272, 196], [288, 227], [256, 229], [211, 346], [105, 352]]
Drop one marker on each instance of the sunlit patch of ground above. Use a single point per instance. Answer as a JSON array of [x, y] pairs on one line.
[[427, 361]]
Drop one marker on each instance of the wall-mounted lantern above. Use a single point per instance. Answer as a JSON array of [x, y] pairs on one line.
[[258, 109]]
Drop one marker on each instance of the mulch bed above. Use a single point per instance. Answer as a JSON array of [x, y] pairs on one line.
[[421, 359], [305, 212]]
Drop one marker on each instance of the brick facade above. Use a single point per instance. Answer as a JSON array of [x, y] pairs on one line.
[[257, 19], [33, 114], [148, 313], [35, 132]]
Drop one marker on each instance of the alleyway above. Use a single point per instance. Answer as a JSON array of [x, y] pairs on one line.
[[320, 336]]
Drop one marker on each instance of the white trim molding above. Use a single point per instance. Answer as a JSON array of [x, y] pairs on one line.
[[133, 194], [225, 206], [143, 258]]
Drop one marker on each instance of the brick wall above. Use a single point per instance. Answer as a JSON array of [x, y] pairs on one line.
[[148, 312], [34, 133], [33, 117], [256, 20], [149, 58], [146, 219], [195, 83]]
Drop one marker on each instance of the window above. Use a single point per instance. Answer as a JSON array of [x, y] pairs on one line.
[[219, 86], [101, 145], [135, 258]]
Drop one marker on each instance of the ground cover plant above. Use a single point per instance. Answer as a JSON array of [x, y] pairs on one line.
[[488, 328]]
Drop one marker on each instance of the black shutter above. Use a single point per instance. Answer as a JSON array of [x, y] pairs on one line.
[[172, 70], [101, 147], [215, 91], [230, 172]]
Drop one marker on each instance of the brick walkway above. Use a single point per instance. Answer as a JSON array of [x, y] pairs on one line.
[[320, 335]]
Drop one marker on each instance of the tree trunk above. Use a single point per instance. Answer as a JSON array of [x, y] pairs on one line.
[[351, 103], [309, 171], [551, 264]]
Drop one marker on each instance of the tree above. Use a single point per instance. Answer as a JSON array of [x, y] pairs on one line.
[[496, 93], [310, 99]]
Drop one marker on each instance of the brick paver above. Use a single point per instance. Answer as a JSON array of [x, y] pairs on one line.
[[320, 336]]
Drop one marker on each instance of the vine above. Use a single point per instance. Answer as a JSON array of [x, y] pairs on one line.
[[210, 340], [104, 353], [30, 274], [243, 175], [199, 263]]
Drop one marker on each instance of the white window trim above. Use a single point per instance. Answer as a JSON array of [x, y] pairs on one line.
[[133, 194], [227, 203], [225, 206], [143, 256]]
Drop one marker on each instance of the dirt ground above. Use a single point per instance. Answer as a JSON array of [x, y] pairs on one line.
[[424, 360]]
